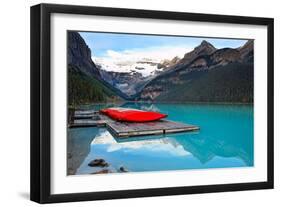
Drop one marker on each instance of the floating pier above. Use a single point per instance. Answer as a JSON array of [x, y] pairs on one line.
[[89, 119], [128, 129], [85, 112], [87, 123]]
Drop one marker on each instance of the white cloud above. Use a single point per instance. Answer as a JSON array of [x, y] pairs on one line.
[[154, 53], [167, 145], [126, 61]]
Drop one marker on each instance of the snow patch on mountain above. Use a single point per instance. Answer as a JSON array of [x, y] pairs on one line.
[[144, 62], [144, 67]]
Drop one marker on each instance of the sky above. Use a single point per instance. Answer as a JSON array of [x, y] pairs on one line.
[[118, 46]]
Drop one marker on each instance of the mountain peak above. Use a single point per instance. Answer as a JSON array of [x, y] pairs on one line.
[[205, 48], [206, 44], [247, 51], [249, 44]]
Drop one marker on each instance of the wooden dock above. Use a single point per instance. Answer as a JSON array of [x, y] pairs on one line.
[[87, 123], [129, 129], [126, 129], [85, 112], [89, 119]]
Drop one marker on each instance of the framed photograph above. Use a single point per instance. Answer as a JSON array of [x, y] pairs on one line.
[[133, 103]]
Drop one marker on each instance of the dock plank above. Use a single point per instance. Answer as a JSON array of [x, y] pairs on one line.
[[86, 116], [87, 123], [126, 129], [86, 112]]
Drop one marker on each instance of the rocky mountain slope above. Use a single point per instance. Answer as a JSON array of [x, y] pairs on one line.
[[205, 48], [168, 63], [129, 76], [79, 55], [127, 82], [85, 83], [205, 74]]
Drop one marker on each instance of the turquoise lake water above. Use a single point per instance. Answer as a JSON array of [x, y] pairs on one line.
[[225, 139]]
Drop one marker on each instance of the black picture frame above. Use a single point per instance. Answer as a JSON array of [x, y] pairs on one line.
[[41, 99]]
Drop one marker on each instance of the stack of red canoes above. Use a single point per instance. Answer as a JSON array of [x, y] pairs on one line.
[[132, 115]]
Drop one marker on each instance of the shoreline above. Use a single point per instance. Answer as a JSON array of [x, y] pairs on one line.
[[195, 102], [147, 102]]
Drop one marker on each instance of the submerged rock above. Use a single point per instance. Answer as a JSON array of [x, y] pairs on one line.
[[98, 163], [123, 169]]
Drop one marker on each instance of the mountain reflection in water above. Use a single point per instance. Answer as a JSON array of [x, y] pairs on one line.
[[224, 140]]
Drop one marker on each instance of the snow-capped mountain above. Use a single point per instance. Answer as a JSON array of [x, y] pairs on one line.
[[146, 67], [130, 76]]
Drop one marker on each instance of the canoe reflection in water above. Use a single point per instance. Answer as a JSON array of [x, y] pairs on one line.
[[158, 153], [225, 140]]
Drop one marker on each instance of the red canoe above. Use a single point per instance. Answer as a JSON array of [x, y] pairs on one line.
[[132, 115]]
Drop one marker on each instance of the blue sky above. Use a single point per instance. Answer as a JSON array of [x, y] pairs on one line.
[[101, 43]]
